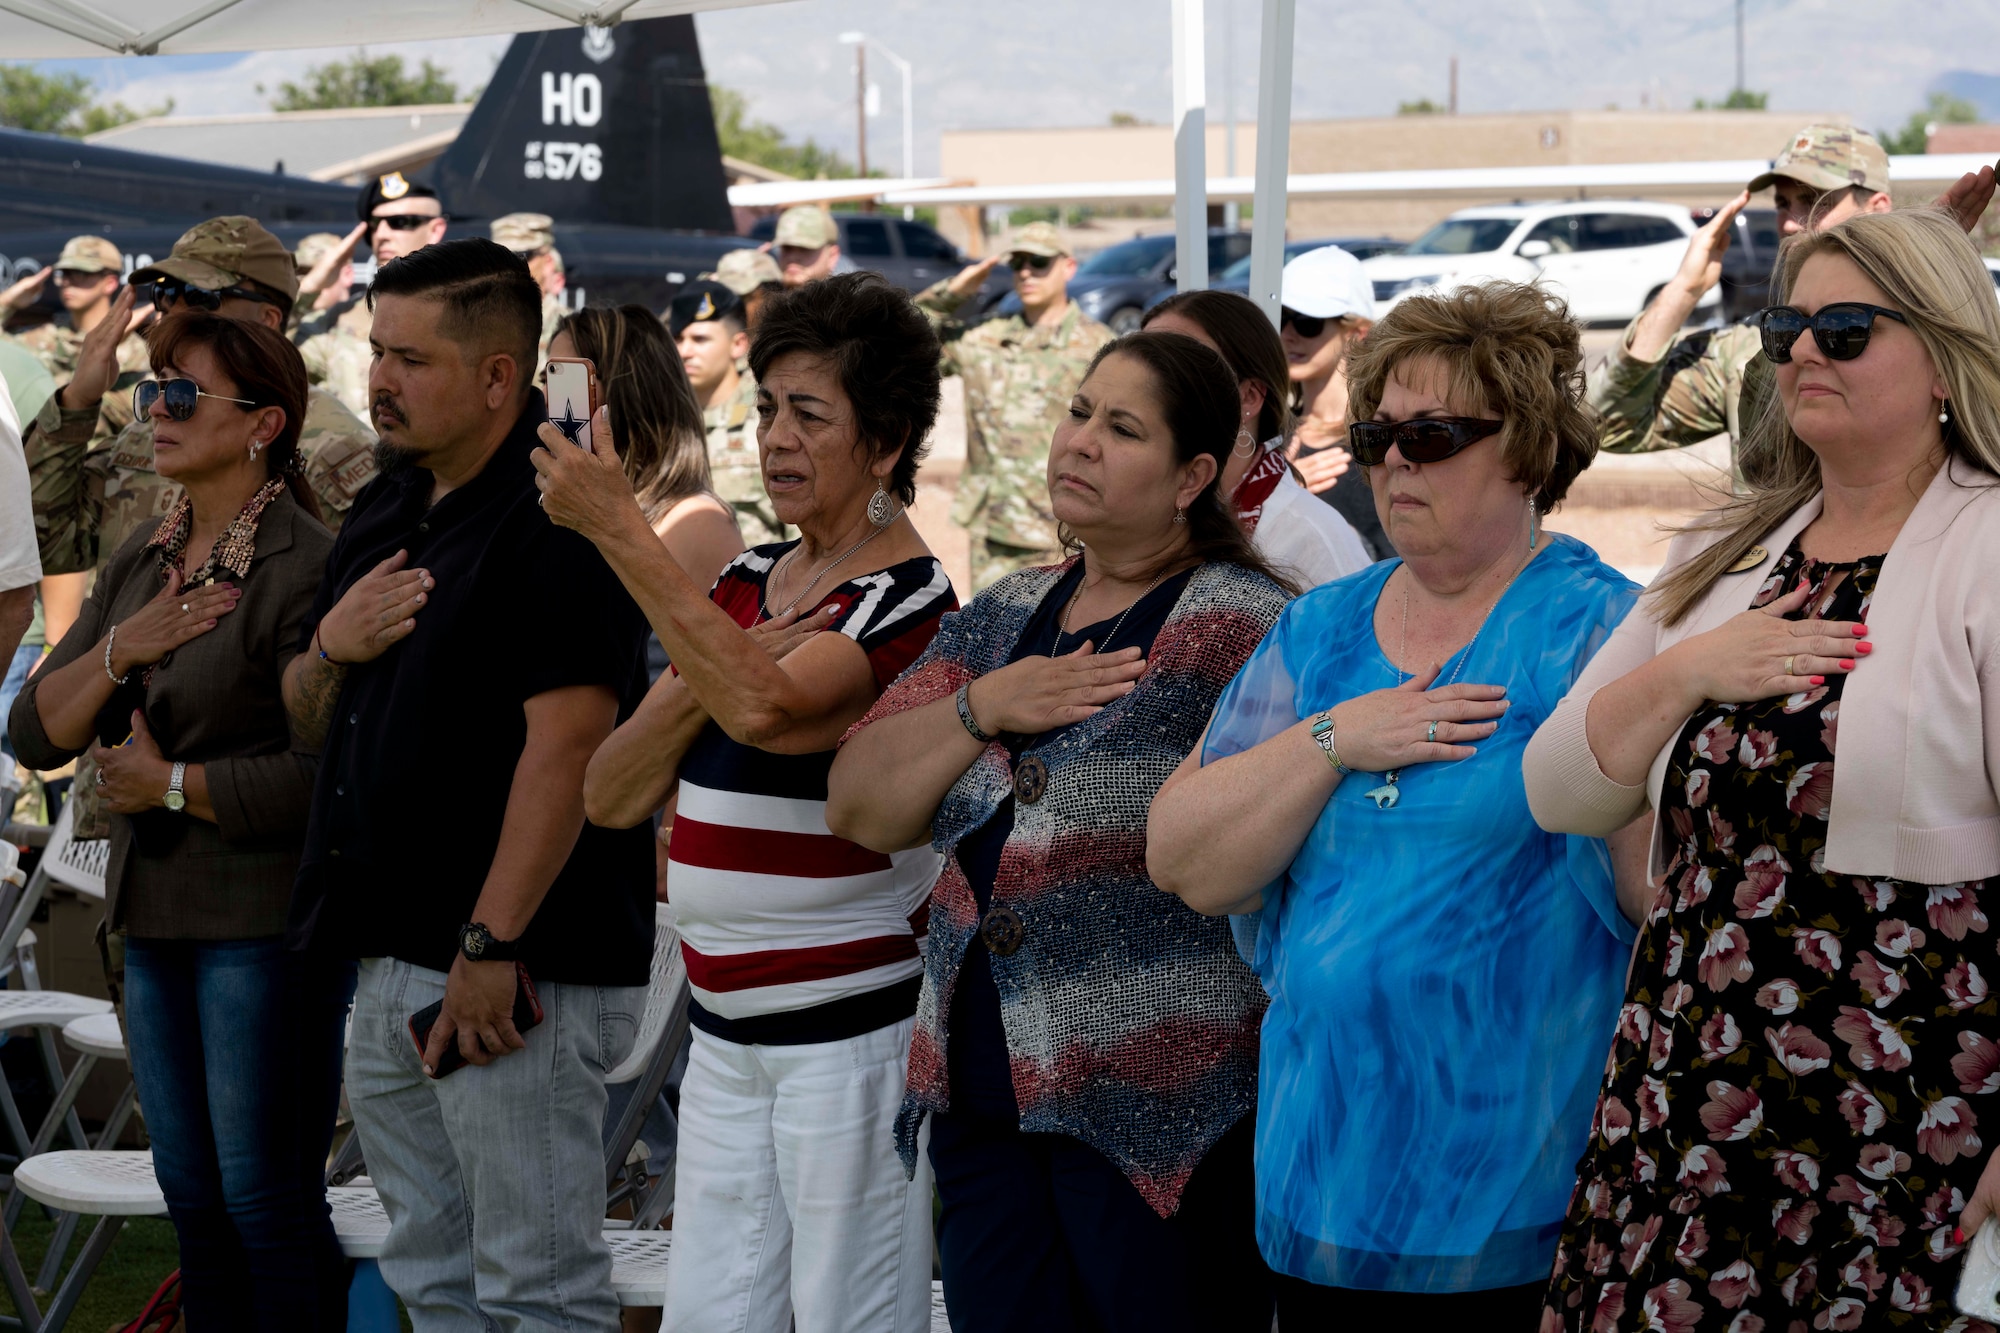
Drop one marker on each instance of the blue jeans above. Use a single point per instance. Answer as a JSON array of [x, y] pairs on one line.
[[493, 1176], [236, 1052], [16, 676]]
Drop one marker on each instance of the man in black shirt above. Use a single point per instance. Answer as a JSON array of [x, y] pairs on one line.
[[464, 659]]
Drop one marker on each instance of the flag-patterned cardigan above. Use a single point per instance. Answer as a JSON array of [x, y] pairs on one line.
[[1131, 1022]]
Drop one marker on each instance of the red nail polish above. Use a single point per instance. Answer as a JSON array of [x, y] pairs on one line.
[[1817, 680], [1860, 631], [1958, 1235], [1864, 648]]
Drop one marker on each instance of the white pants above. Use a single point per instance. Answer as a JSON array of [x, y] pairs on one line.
[[789, 1199]]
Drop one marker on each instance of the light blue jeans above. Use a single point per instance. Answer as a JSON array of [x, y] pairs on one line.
[[493, 1177]]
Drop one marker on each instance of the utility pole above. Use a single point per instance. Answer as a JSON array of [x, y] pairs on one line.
[[861, 108], [1739, 46], [1454, 85], [1232, 212]]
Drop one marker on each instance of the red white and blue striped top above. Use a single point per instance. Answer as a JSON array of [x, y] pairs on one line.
[[790, 933]]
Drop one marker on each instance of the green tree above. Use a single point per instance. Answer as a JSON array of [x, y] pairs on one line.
[[1941, 109], [1423, 106], [60, 104], [1739, 99], [365, 80], [1126, 119], [766, 145]]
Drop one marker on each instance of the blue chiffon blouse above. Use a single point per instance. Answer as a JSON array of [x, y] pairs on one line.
[[1444, 976]]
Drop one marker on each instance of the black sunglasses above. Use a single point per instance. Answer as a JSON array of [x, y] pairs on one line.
[[170, 292], [63, 277], [1839, 330], [1308, 326], [183, 397], [402, 221], [1423, 440], [1035, 264]]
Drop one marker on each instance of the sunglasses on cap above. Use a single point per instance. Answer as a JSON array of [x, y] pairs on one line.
[[170, 292], [1035, 264], [1306, 326], [1423, 440], [404, 222], [183, 396], [1839, 330]]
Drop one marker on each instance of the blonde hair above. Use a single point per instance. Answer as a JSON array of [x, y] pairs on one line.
[[1927, 266], [1507, 346]]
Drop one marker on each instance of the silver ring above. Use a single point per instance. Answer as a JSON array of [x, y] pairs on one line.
[[186, 610], [1432, 734], [100, 777], [542, 499]]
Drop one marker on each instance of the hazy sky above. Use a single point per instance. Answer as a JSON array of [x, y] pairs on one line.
[[978, 64]]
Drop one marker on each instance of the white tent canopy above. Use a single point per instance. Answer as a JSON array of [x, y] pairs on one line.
[[61, 29]]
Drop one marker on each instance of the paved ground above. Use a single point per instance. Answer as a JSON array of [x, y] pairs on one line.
[[1624, 507]]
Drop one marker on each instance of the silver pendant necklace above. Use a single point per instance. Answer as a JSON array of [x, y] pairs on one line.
[[1386, 795], [765, 604], [1062, 626]]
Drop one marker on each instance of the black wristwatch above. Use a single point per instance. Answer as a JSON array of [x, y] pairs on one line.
[[476, 942]]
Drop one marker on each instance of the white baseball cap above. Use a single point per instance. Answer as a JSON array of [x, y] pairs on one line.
[[1328, 283]]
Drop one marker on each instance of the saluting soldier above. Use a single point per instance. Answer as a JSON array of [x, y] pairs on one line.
[[707, 322], [532, 236], [332, 333], [86, 279], [1020, 373]]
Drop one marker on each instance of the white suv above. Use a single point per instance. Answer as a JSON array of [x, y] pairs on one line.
[[1606, 259]]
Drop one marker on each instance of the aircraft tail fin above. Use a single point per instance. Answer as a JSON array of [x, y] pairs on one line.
[[606, 125]]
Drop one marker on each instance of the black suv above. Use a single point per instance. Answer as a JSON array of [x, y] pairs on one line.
[[1119, 284]]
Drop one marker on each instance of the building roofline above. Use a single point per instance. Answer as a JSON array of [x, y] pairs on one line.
[[281, 117]]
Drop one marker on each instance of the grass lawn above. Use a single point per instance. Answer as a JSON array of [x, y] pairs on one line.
[[140, 1259]]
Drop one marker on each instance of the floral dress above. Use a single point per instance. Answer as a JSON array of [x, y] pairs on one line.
[[1791, 1115]]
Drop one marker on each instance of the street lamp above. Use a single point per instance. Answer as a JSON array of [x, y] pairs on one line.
[[909, 136]]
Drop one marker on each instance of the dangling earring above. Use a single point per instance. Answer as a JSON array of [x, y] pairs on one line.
[[881, 512], [255, 445], [1532, 531], [1246, 443], [1180, 515], [1944, 414]]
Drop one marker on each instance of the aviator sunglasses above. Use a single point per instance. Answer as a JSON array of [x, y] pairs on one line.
[[182, 395], [1035, 264], [1423, 440], [1839, 330]]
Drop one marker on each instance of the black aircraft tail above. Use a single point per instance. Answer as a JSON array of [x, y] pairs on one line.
[[603, 125]]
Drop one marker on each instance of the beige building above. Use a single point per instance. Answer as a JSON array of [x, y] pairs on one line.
[[1390, 143]]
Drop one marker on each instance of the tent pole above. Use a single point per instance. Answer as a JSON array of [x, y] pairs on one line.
[[1274, 149], [64, 24], [1190, 147]]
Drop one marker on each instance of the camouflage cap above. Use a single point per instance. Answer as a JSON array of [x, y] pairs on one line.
[[313, 249], [90, 254], [525, 233], [221, 252], [808, 227], [1040, 239], [1830, 157], [744, 271]]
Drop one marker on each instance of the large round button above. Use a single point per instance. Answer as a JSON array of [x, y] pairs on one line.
[[1001, 930], [1031, 779]]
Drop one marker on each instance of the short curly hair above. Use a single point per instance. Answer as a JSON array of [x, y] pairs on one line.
[[884, 351], [1508, 349]]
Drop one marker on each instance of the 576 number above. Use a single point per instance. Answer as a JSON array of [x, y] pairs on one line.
[[564, 161]]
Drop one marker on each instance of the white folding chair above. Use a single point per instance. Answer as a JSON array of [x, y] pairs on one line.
[[663, 1029], [110, 1186]]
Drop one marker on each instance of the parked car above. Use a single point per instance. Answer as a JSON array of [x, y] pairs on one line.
[[1117, 285], [1993, 267], [1748, 262], [909, 254], [1607, 259], [1236, 278]]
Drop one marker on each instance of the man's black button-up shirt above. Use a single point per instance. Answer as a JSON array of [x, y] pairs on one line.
[[421, 756]]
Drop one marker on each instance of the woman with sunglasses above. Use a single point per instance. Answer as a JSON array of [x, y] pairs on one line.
[[1442, 973], [1800, 1097], [170, 679], [1329, 307], [1291, 529]]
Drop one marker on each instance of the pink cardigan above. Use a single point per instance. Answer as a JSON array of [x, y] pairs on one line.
[[1914, 791]]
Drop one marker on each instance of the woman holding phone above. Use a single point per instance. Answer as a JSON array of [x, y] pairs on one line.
[[170, 678]]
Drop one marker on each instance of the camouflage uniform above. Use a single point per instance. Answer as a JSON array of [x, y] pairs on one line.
[[57, 343], [735, 469], [531, 235], [1717, 380], [1018, 383], [334, 344]]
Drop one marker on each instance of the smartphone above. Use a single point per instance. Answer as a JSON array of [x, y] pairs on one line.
[[571, 388], [527, 1014]]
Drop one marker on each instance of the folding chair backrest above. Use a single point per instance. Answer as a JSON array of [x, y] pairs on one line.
[[76, 863], [664, 988]]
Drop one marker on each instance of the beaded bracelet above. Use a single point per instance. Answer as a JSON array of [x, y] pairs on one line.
[[1322, 734], [110, 639]]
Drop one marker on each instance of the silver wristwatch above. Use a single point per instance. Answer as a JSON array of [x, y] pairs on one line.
[[174, 800]]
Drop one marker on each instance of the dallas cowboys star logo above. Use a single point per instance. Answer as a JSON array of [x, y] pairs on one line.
[[570, 424]]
